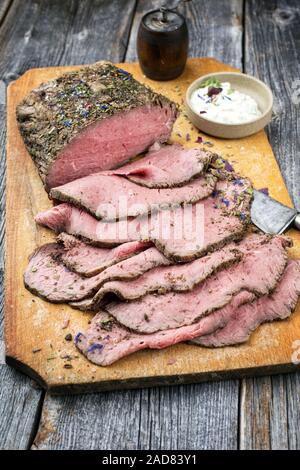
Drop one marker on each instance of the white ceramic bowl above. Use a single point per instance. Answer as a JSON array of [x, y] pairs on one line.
[[245, 84]]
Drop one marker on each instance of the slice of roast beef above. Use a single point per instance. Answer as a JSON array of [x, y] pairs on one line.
[[69, 219], [47, 277], [241, 322], [162, 279], [166, 167], [89, 260], [263, 262], [182, 234], [91, 120], [211, 223], [113, 197], [107, 341]]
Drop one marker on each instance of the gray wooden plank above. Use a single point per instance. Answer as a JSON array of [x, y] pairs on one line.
[[270, 413], [272, 52], [20, 402], [39, 34], [159, 418], [4, 7], [34, 34], [20, 399], [270, 406], [215, 28], [203, 416]]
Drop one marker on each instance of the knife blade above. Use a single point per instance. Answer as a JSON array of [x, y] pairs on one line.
[[271, 216]]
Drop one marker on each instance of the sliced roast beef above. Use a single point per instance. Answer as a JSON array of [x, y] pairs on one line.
[[106, 340], [47, 277], [207, 225], [182, 234], [162, 279], [91, 120], [263, 262], [112, 197], [166, 167], [89, 260], [69, 219], [241, 322]]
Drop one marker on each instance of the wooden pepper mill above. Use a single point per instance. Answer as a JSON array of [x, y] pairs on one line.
[[162, 44]]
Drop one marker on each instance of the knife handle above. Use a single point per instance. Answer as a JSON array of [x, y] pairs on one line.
[[297, 221]]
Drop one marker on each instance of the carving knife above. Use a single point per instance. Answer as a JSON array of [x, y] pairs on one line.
[[271, 216]]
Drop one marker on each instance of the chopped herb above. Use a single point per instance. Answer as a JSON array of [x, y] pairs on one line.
[[228, 166], [95, 347], [106, 324], [68, 337], [68, 366], [36, 350], [77, 337], [225, 201], [213, 82], [264, 191], [249, 191], [123, 71], [67, 357], [238, 182], [84, 112], [215, 193]]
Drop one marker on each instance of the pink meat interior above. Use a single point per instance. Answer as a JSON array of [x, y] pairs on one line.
[[110, 142]]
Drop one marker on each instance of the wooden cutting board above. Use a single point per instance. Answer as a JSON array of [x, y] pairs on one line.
[[35, 329]]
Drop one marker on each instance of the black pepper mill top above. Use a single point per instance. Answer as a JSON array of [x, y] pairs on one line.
[[162, 44]]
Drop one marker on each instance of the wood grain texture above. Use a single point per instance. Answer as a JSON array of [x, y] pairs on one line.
[[2, 199], [272, 53], [270, 413], [38, 33], [20, 402], [35, 33], [33, 323], [4, 7], [12, 48], [199, 425], [219, 35], [20, 399], [270, 406], [215, 28], [170, 418]]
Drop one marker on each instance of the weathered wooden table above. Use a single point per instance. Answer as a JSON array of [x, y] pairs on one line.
[[260, 37]]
